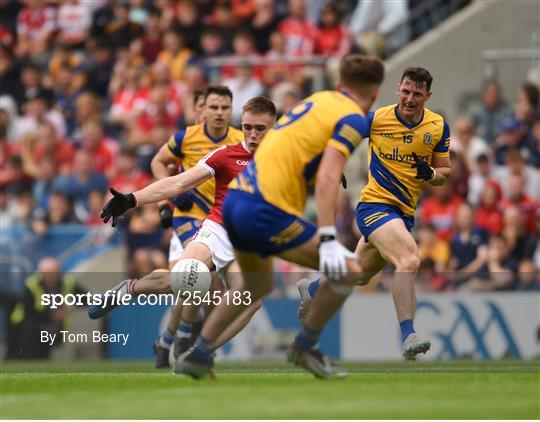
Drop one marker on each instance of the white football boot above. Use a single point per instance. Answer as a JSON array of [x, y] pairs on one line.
[[414, 345]]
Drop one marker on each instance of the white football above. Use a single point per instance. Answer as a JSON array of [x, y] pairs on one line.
[[189, 276]]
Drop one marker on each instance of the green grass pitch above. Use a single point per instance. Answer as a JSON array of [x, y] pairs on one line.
[[106, 390]]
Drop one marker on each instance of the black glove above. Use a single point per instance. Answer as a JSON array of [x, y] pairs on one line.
[[117, 206], [165, 216], [343, 181], [423, 169], [183, 202]]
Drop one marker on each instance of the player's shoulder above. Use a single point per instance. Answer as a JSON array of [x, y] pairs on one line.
[[385, 112], [432, 116]]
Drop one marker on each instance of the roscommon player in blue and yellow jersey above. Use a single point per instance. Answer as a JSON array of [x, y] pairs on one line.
[[408, 146], [192, 144], [263, 209]]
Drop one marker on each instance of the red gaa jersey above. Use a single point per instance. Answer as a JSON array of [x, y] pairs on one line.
[[225, 163]]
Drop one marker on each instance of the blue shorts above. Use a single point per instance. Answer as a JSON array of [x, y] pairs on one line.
[[254, 225], [370, 216], [185, 227]]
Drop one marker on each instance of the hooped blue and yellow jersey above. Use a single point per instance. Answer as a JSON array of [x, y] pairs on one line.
[[392, 141], [287, 160], [190, 145]]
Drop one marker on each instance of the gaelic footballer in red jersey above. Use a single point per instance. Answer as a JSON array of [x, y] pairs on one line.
[[211, 244]]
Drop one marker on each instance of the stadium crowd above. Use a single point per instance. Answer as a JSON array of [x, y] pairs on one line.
[[89, 91]]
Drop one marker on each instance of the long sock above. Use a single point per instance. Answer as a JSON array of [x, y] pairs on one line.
[[166, 339], [203, 348], [407, 328], [313, 287], [185, 328], [306, 338]]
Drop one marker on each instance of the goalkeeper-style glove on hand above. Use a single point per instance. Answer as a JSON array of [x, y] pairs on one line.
[[117, 205], [183, 202], [423, 169], [165, 216], [332, 254]]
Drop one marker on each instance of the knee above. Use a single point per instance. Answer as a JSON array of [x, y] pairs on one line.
[[409, 263]]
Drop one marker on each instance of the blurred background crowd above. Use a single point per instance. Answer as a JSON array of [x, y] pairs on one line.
[[89, 91]]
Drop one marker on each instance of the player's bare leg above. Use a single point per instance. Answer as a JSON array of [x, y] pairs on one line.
[[397, 246], [257, 281]]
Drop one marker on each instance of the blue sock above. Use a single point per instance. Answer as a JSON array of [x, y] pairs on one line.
[[185, 328], [407, 328], [306, 338], [313, 287], [203, 348], [166, 339]]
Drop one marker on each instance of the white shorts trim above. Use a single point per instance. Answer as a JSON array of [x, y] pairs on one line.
[[175, 248], [215, 237]]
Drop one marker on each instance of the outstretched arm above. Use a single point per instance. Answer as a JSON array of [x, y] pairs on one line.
[[171, 186]]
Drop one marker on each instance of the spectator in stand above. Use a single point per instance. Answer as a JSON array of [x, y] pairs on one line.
[[100, 66], [244, 86], [37, 111], [63, 57], [189, 24], [440, 210], [478, 179], [527, 102], [224, 21], [243, 9], [243, 51], [128, 177], [156, 120], [488, 115], [521, 243], [74, 21], [8, 19], [120, 31], [101, 18], [14, 177], [10, 83], [69, 86], [152, 39], [43, 172], [96, 201], [265, 21], [515, 165], [128, 96], [58, 211], [102, 149], [536, 256], [78, 185], [87, 109], [496, 274], [333, 38], [460, 174], [175, 54], [488, 215], [516, 196], [432, 248], [467, 143], [36, 24], [380, 25], [31, 80], [468, 248], [514, 135], [46, 143], [138, 12], [299, 33], [528, 276]]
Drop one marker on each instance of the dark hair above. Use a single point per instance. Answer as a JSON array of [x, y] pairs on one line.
[[198, 93], [357, 71], [532, 94], [260, 105], [418, 75], [221, 90]]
